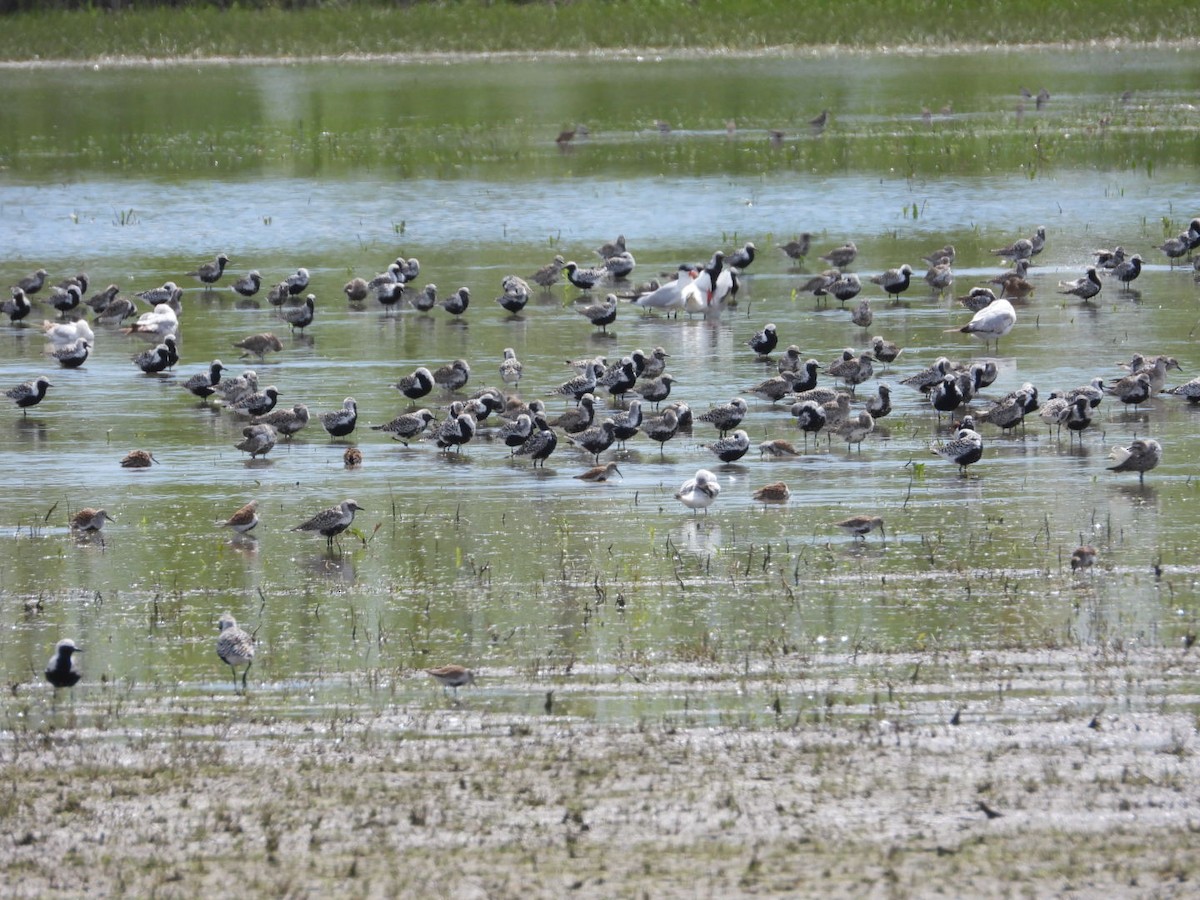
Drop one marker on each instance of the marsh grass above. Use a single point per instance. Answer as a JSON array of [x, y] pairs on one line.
[[477, 26]]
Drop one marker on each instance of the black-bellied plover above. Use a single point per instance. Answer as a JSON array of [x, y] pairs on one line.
[[581, 384], [841, 256], [626, 424], [1128, 270], [510, 367], [259, 345], [138, 459], [540, 444], [765, 341], [249, 284], [407, 426], [854, 431], [456, 430], [1014, 284], [860, 526], [578, 418], [726, 416], [235, 647], [452, 376], [63, 669], [298, 283], [885, 351], [210, 273], [1132, 390], [329, 523], [90, 520], [880, 405], [29, 393], [257, 404], [774, 389], [894, 281], [203, 384], [456, 304], [70, 356], [730, 449], [1140, 456], [301, 315], [601, 314], [258, 440], [356, 291], [155, 360], [965, 449], [597, 439], [584, 279], [1084, 288], [547, 276], [620, 266], [661, 429], [341, 422], [117, 311], [244, 520], [286, 422], [515, 294], [99, 302], [810, 418], [741, 259], [166, 295], [31, 284], [699, 491], [610, 249], [416, 385], [797, 248], [18, 307], [65, 299]]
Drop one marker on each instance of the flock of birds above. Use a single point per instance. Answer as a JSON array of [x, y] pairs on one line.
[[635, 382]]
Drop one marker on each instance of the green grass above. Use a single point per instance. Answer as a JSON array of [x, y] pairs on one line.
[[477, 26]]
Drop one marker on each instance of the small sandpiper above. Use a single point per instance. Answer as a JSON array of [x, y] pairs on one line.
[[331, 522], [1083, 557], [235, 647], [90, 520], [407, 426], [452, 677], [29, 393], [699, 491], [259, 345], [777, 449], [861, 526], [138, 459], [244, 520], [341, 422], [775, 492], [600, 473], [63, 670]]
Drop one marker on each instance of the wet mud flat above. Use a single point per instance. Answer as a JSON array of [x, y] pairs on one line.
[[1056, 772]]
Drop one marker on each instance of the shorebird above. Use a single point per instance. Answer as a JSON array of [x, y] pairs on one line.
[[854, 431], [764, 341], [168, 295], [1189, 390], [612, 248], [775, 492], [966, 448], [244, 520], [63, 670], [1079, 416], [18, 307], [286, 422], [356, 290], [297, 284], [885, 351], [352, 458], [741, 259], [156, 359], [940, 276], [540, 444], [1176, 247], [138, 459], [452, 677], [600, 473], [627, 424], [329, 523], [1083, 557], [579, 417], [258, 440], [29, 393], [699, 492], [1084, 288], [777, 449], [71, 356], [99, 302], [947, 252], [516, 293], [65, 299], [257, 404], [1014, 284], [418, 384], [726, 416], [1022, 248], [798, 247], [341, 422], [203, 384], [249, 284], [90, 520], [791, 361], [584, 279], [1132, 390], [863, 317], [894, 281], [515, 433], [453, 376], [661, 429], [235, 647], [547, 276], [620, 266], [210, 273], [601, 314], [1140, 456], [31, 284], [405, 427], [841, 256], [300, 316], [880, 405], [1128, 270], [259, 345], [456, 304], [991, 323], [860, 526], [597, 439], [456, 430], [845, 287], [730, 449], [774, 389]]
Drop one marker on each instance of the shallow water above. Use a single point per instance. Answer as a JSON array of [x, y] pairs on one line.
[[527, 574]]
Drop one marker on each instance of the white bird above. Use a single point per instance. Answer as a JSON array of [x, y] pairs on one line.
[[156, 324], [992, 322], [60, 334], [699, 492], [669, 297]]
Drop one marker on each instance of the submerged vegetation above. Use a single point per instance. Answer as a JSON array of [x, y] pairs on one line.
[[165, 31]]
